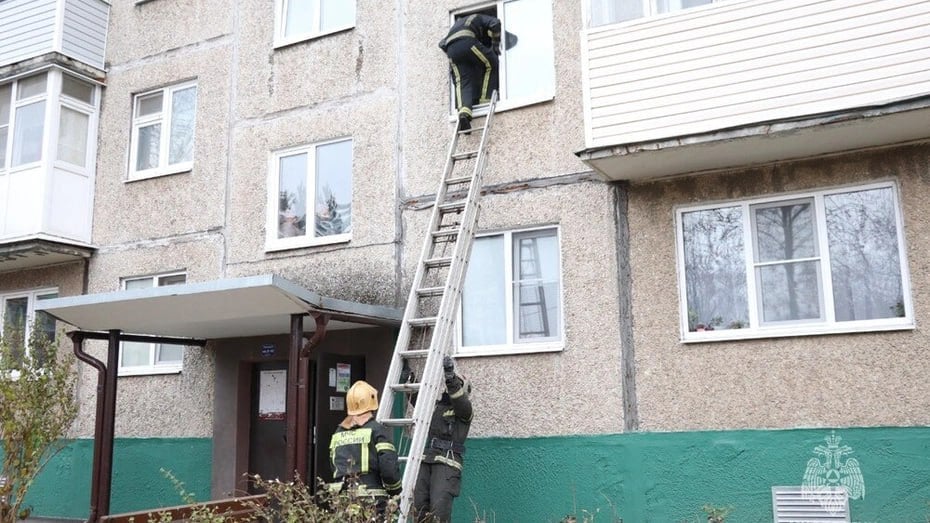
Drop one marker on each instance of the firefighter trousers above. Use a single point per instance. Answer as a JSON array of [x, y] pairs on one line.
[[474, 72], [437, 487]]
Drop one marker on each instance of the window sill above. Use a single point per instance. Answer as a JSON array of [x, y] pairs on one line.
[[185, 168], [280, 42], [506, 350], [300, 243], [149, 371], [507, 105], [794, 331]]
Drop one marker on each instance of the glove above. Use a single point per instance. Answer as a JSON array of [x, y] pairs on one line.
[[406, 374], [448, 368]]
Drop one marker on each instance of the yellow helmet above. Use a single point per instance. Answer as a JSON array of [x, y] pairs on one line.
[[361, 398]]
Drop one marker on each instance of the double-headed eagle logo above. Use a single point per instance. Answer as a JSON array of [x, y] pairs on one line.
[[822, 480]]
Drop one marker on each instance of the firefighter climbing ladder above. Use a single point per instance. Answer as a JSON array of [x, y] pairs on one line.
[[434, 295]]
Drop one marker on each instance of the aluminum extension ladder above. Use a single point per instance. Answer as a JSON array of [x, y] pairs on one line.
[[429, 318]]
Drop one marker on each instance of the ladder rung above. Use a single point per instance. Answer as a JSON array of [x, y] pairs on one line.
[[397, 422], [472, 130], [416, 353], [456, 206], [445, 233], [403, 459], [423, 322], [430, 291], [465, 156], [433, 263], [458, 180], [406, 387]]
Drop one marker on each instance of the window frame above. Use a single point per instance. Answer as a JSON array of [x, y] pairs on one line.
[[32, 298], [164, 145], [511, 345], [153, 367], [758, 328], [15, 105], [272, 242], [280, 22], [504, 103], [87, 109], [650, 10]]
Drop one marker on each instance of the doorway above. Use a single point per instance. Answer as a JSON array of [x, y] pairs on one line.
[[335, 374]]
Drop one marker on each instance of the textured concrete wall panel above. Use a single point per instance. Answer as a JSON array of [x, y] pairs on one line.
[[140, 30], [834, 380], [176, 204], [577, 390], [354, 62]]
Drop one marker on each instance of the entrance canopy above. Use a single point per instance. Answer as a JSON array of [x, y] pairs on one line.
[[229, 308]]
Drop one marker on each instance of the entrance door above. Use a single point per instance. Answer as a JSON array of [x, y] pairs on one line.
[[335, 374], [268, 427]]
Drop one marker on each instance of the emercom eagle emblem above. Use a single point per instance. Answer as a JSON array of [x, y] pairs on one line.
[[822, 480]]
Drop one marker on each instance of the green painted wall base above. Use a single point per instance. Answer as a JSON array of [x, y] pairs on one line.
[[668, 477], [640, 477], [63, 488]]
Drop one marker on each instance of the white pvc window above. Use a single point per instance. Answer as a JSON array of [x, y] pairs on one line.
[[527, 60], [22, 120], [310, 195], [76, 112], [298, 20], [136, 358], [512, 297], [602, 12], [813, 263], [19, 321], [163, 131]]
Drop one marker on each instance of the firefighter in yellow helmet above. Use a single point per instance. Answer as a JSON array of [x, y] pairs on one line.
[[361, 450]]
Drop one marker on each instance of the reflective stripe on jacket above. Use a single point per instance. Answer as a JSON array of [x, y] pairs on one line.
[[367, 452]]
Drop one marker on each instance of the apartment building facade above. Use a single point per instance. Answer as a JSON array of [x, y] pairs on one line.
[[720, 202]]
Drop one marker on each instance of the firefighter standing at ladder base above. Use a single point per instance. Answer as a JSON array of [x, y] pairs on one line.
[[473, 45], [440, 476], [362, 449]]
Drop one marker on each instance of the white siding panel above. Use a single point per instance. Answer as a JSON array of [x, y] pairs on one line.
[[71, 196], [744, 62], [85, 31], [28, 29]]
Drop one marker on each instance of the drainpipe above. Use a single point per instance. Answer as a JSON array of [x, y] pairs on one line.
[[292, 425], [77, 339], [303, 395]]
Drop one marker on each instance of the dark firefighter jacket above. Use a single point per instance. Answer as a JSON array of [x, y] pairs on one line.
[[486, 29], [449, 426], [366, 451]]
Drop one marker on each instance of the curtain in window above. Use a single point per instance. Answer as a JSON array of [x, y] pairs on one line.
[[72, 137], [181, 143]]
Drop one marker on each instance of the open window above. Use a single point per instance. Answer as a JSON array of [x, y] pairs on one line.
[[527, 70]]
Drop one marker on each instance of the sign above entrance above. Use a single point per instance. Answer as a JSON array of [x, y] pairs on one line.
[[268, 350]]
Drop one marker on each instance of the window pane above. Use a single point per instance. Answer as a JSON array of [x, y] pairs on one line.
[[536, 285], [3, 136], [14, 326], [333, 206], [174, 279], [611, 11], [530, 69], [72, 137], [292, 196], [45, 329], [169, 354], [790, 291], [32, 86], [715, 269], [862, 235], [77, 89], [27, 133], [183, 109], [336, 13], [135, 354], [484, 310], [667, 6], [138, 283], [785, 232], [147, 149], [299, 17], [5, 91], [149, 104]]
